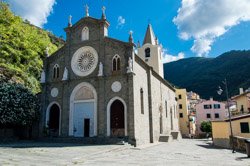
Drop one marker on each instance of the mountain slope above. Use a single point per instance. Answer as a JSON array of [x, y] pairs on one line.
[[204, 75]]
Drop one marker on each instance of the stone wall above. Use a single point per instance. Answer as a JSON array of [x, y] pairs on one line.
[[141, 118]]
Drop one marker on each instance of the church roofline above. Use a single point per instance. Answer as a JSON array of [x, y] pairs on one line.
[[88, 19], [145, 65], [119, 41], [55, 53]]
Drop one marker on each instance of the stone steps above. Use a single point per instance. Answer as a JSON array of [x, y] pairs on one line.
[[89, 140], [165, 138]]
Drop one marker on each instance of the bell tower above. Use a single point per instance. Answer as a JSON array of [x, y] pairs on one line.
[[151, 51]]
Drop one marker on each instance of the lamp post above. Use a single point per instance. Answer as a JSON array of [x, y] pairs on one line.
[[229, 113]]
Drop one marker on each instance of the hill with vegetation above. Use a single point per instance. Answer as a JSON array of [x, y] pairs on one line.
[[22, 49], [204, 75]]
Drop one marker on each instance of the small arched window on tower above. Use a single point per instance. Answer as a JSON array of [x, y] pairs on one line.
[[85, 33], [147, 52], [56, 71], [116, 63]]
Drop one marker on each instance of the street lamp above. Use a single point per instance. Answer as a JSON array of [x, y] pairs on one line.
[[220, 91]]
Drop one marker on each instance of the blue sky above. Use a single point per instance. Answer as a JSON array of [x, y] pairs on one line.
[[185, 28]]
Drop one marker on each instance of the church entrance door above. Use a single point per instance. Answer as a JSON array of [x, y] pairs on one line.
[[117, 119], [84, 119], [54, 120]]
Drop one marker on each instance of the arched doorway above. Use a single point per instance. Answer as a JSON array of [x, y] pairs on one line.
[[53, 119], [83, 116], [116, 117]]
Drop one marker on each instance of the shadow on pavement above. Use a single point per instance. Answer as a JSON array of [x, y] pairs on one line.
[[241, 158], [34, 144]]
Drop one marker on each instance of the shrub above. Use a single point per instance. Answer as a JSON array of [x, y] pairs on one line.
[[18, 105]]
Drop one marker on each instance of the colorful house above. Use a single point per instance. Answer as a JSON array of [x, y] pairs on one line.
[[221, 130], [242, 102], [209, 110], [183, 111]]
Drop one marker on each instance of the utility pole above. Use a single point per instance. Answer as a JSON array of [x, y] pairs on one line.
[[229, 115]]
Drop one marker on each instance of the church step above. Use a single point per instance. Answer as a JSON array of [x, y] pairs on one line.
[[89, 140], [176, 135], [165, 138]]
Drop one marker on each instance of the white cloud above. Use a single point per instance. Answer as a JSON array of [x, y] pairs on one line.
[[170, 58], [35, 11], [206, 20], [120, 22]]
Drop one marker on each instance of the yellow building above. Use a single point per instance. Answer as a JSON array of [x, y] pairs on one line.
[[242, 102], [221, 129], [182, 106]]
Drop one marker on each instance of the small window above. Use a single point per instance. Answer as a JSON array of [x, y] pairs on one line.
[[216, 106], [56, 71], [85, 34], [116, 63], [142, 101], [166, 107], [208, 116], [242, 109], [179, 96], [244, 127], [216, 115], [181, 115], [207, 106], [147, 52], [180, 106]]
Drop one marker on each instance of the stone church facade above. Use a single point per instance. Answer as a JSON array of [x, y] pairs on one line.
[[97, 86]]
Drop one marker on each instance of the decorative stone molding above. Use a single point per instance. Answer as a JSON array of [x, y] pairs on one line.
[[65, 74], [100, 72], [130, 65], [54, 92], [116, 86], [43, 76]]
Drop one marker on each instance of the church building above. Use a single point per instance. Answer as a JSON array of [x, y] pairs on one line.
[[98, 86]]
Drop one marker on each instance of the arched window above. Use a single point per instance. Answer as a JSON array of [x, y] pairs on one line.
[[116, 63], [56, 71], [147, 52], [85, 34]]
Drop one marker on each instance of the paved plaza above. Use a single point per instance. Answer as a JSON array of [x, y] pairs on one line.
[[184, 152]]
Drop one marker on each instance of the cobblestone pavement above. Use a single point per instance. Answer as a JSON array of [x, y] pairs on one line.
[[185, 152]]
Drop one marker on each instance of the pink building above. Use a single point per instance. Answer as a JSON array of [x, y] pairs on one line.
[[209, 110]]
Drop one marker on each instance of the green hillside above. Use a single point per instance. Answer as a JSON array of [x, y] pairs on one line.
[[22, 48], [204, 75]]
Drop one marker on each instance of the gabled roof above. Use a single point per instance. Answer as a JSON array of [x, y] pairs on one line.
[[150, 36], [238, 117], [243, 94], [244, 116]]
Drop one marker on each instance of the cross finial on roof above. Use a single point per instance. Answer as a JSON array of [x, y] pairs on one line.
[[103, 13], [86, 10], [70, 21]]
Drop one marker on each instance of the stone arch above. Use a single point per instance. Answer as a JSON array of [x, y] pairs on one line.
[[109, 114], [48, 116], [75, 97]]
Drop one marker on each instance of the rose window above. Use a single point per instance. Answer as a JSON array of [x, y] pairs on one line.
[[86, 61]]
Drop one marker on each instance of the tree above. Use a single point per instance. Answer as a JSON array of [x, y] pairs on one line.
[[18, 105], [22, 48], [206, 127]]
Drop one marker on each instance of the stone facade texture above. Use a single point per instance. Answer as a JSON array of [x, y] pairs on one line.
[[141, 128]]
